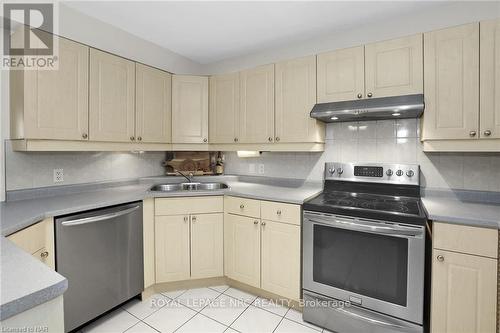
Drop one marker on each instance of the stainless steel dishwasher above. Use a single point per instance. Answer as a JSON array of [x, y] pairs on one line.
[[100, 253]]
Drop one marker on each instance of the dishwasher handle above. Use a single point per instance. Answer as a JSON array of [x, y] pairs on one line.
[[97, 218]]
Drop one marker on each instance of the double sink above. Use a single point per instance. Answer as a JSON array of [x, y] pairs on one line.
[[176, 187]]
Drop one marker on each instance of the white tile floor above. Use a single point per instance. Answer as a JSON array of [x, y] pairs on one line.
[[214, 309]]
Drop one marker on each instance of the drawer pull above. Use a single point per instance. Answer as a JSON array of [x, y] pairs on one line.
[[278, 212], [242, 206], [185, 218], [440, 258], [44, 254], [255, 222], [193, 218], [263, 223]]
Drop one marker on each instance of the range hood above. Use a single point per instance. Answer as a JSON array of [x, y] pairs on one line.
[[398, 107]]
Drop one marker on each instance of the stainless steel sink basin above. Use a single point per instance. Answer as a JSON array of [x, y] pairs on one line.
[[188, 187]]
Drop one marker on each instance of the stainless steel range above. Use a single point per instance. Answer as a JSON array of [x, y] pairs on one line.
[[364, 250]]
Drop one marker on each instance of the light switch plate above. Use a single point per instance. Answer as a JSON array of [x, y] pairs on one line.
[[261, 169], [58, 175]]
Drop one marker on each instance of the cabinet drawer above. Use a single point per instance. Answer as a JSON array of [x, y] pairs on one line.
[[280, 212], [466, 239], [188, 205], [242, 206]]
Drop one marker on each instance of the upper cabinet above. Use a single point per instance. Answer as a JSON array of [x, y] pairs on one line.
[[490, 80], [257, 105], [341, 75], [52, 104], [153, 105], [189, 109], [452, 83], [112, 98], [394, 67], [388, 68], [295, 97], [224, 108]]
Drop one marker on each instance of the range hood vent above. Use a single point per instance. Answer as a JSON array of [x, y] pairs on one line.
[[398, 107]]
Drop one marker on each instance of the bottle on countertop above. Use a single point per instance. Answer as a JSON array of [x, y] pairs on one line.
[[219, 164]]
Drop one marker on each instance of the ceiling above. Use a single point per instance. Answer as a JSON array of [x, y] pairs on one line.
[[211, 31]]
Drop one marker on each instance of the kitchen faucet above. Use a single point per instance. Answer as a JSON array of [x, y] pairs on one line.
[[189, 177]]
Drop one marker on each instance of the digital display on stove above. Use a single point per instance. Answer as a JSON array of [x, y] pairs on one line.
[[368, 171]]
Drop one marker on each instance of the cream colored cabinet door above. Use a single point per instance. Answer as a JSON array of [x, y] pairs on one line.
[[172, 248], [295, 98], [189, 109], [341, 75], [257, 105], [451, 83], [242, 249], [207, 251], [490, 79], [56, 101], [153, 120], [224, 108], [464, 293], [394, 67], [281, 259], [112, 98]]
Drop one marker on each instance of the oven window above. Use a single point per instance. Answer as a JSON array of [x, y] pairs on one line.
[[368, 264]]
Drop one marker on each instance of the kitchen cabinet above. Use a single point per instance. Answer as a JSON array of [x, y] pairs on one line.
[[242, 248], [189, 109], [295, 98], [153, 119], [489, 86], [451, 84], [38, 240], [188, 238], [224, 108], [52, 104], [112, 98], [394, 67], [464, 279], [341, 75], [256, 116]]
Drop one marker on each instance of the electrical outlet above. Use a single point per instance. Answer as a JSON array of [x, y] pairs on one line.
[[58, 175], [251, 168], [261, 169]]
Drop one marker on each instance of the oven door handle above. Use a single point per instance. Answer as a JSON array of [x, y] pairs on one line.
[[382, 230]]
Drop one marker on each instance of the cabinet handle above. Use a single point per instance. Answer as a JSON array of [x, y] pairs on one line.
[[139, 138], [487, 133], [369, 94], [235, 139], [132, 138], [185, 218], [242, 206], [277, 139], [440, 258], [360, 95], [193, 218], [85, 135], [472, 134], [270, 139], [263, 223], [255, 222], [278, 212], [205, 140], [44, 254]]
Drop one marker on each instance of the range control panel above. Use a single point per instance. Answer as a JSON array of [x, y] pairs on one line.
[[373, 172]]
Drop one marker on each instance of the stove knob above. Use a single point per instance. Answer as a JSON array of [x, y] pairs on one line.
[[340, 171], [389, 172], [410, 173], [331, 171], [399, 173]]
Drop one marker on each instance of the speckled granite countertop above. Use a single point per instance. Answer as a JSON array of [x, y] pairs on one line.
[[26, 282]]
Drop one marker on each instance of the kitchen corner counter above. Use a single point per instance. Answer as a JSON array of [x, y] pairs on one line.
[[463, 207], [25, 281]]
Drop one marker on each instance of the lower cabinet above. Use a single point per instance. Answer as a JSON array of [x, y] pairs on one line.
[[464, 279], [207, 237]]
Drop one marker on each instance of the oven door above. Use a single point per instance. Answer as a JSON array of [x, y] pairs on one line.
[[372, 264]]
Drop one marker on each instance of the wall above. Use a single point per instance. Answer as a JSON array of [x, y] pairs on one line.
[[35, 169], [388, 141]]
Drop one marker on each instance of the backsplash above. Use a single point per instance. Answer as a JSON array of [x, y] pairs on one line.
[[35, 169], [387, 141]]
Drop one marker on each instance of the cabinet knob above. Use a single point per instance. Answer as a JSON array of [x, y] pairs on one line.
[[255, 222], [85, 135], [139, 138], [270, 139], [440, 258], [278, 212], [205, 140], [235, 139], [193, 218], [132, 138], [242, 206], [263, 223], [44, 254], [185, 218], [360, 95], [277, 138], [487, 133], [369, 94], [472, 134]]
